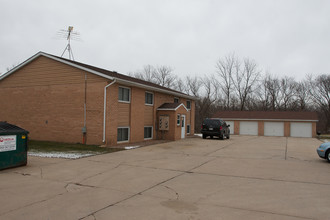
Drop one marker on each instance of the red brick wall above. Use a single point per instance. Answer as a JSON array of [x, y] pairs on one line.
[[47, 98]]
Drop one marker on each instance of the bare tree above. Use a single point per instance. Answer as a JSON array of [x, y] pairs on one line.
[[164, 76], [225, 68], [245, 77], [193, 85], [180, 85], [145, 74], [320, 93], [286, 93], [273, 87], [262, 95], [206, 100], [303, 97]]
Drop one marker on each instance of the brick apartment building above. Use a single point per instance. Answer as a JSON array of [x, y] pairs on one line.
[[56, 99]]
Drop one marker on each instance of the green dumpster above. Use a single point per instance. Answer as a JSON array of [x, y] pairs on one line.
[[13, 146]]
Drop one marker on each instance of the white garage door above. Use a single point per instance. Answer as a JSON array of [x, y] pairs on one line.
[[248, 128], [231, 123], [274, 129], [300, 129]]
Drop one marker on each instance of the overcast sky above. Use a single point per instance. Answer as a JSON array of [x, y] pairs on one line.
[[284, 37]]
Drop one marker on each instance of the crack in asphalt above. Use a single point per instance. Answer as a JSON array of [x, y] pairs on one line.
[[132, 196], [145, 190], [176, 193], [228, 145], [259, 178], [261, 211]]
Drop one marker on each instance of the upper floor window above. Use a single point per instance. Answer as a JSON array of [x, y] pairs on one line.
[[176, 100], [188, 104], [124, 94], [149, 98]]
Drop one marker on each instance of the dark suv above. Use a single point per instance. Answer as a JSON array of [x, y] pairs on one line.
[[215, 127]]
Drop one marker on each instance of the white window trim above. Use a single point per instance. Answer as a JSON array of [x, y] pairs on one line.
[[152, 132], [178, 115], [129, 133], [189, 128], [153, 98], [129, 94], [187, 104]]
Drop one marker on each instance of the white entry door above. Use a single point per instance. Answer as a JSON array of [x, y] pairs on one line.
[[183, 126]]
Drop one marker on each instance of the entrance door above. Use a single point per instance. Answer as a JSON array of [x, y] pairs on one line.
[[183, 126]]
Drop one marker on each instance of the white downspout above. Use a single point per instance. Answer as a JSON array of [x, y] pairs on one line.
[[105, 107]]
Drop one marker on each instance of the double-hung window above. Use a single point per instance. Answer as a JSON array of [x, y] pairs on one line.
[[149, 98], [188, 104], [148, 132], [124, 94], [122, 134]]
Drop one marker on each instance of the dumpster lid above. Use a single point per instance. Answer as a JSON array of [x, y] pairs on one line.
[[10, 128]]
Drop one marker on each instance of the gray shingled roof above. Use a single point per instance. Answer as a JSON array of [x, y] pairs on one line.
[[121, 78], [117, 75]]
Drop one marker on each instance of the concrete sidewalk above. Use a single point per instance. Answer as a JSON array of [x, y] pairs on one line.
[[246, 177]]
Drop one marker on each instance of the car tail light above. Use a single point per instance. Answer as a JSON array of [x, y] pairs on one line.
[[220, 127]]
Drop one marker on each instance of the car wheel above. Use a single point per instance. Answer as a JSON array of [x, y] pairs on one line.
[[327, 155], [228, 136], [204, 136]]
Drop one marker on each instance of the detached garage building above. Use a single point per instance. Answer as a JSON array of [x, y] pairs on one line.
[[269, 123]]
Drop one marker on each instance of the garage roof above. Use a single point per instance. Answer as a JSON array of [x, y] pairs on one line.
[[268, 115]]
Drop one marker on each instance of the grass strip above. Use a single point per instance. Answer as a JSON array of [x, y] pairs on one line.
[[48, 146]]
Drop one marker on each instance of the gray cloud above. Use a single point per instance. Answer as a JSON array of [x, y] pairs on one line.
[[283, 37]]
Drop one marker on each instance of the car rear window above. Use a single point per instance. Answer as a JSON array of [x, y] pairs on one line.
[[215, 123]]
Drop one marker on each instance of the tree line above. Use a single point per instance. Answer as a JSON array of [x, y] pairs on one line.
[[240, 85]]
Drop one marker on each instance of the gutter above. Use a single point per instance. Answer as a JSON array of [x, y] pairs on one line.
[[105, 107]]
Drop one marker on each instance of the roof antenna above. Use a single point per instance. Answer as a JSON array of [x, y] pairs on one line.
[[69, 34]]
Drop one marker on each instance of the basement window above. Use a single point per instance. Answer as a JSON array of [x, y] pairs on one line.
[[123, 134], [148, 132]]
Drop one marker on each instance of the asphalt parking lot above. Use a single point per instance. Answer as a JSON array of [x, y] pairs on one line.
[[246, 177]]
